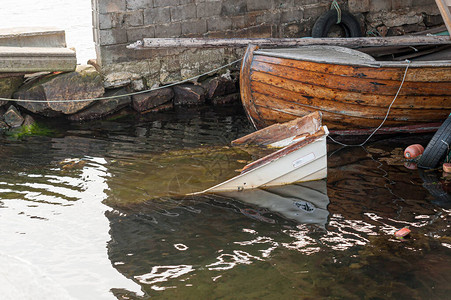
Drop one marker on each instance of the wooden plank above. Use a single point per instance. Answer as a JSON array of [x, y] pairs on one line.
[[287, 42], [291, 90], [423, 74], [353, 83], [445, 10]]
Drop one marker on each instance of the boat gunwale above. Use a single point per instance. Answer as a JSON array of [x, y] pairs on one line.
[[371, 64]]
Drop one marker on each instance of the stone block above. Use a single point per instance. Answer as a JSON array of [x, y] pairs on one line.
[[32, 37], [139, 4], [138, 33], [209, 9], [168, 30], [219, 86], [158, 15], [266, 17], [233, 7], [315, 11], [146, 101], [183, 12], [112, 36], [12, 117], [84, 83], [292, 15], [227, 99], [188, 94], [359, 6], [162, 3], [219, 24], [36, 59], [253, 5], [119, 79], [194, 28], [380, 5], [8, 86], [182, 2], [107, 6], [104, 107], [105, 21], [134, 18], [401, 4]]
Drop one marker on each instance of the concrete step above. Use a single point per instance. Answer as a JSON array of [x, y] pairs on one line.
[[32, 37], [36, 59]]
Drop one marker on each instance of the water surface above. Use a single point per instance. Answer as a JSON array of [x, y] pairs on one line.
[[97, 211]]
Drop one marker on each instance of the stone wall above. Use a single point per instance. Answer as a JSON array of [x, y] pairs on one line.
[[118, 23]]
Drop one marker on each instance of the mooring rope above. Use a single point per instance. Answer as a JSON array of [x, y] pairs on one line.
[[386, 115], [123, 95], [338, 9]]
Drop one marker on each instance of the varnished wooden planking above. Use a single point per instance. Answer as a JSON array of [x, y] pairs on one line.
[[353, 84], [285, 95], [445, 10], [287, 88], [423, 74], [350, 111]]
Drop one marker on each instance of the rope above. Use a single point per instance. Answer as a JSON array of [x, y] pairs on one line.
[[386, 115], [338, 9], [124, 95]]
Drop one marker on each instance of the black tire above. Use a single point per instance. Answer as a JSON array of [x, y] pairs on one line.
[[437, 147], [348, 22]]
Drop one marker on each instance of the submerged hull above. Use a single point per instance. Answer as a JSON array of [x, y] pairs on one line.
[[350, 88]]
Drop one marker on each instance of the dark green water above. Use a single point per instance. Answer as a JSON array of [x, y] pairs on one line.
[[94, 212]]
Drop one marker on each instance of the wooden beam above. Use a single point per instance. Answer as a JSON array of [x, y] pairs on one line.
[[445, 10], [289, 42]]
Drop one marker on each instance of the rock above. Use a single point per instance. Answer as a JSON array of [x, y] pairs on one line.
[[3, 125], [119, 79], [228, 99], [146, 101], [188, 94], [8, 86], [163, 107], [13, 117], [137, 85], [28, 121], [103, 108], [219, 86], [84, 83]]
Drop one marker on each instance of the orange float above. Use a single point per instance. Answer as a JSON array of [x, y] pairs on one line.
[[413, 151], [402, 233]]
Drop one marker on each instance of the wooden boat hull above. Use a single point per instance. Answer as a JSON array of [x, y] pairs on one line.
[[301, 157], [277, 87]]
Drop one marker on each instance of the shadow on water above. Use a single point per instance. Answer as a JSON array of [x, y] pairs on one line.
[[320, 240], [288, 242]]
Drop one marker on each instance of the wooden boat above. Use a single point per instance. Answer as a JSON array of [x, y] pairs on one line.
[[301, 155], [351, 88], [305, 202]]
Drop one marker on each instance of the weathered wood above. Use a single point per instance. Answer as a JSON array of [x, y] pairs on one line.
[[288, 42], [306, 125], [350, 96], [445, 10]]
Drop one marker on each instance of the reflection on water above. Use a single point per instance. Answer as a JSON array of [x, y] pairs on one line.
[[93, 213]]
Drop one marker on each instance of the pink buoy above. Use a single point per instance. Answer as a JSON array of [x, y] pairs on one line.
[[413, 151]]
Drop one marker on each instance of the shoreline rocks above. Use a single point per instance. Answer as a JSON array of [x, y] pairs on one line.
[[88, 83]]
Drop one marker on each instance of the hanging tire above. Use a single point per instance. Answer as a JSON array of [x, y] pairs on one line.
[[348, 22], [437, 147]]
